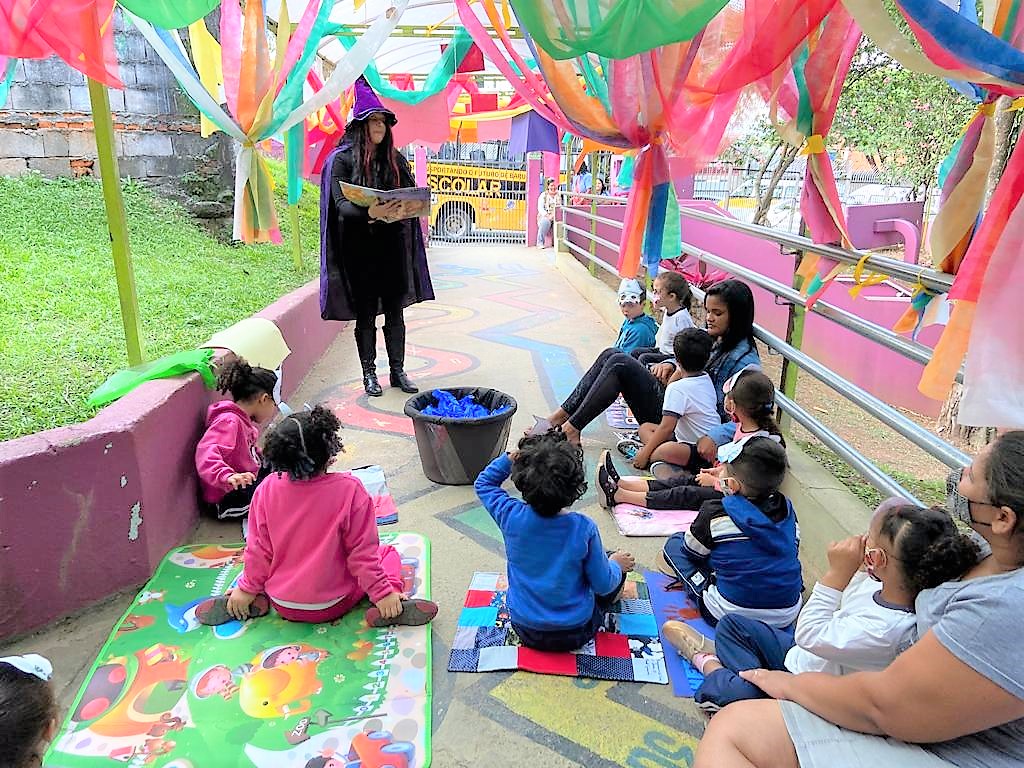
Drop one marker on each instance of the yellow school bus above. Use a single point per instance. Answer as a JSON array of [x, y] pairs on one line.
[[467, 197]]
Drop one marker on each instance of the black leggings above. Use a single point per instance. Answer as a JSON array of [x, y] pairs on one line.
[[650, 355], [678, 494], [369, 304], [614, 372]]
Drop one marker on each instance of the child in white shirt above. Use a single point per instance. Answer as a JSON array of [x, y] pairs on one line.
[[853, 622], [690, 407], [671, 294]]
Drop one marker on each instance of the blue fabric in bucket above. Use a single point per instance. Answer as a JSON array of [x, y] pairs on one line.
[[448, 407]]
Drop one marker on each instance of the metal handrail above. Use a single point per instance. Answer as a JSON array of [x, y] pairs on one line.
[[603, 264], [591, 217], [595, 238], [929, 278], [889, 339]]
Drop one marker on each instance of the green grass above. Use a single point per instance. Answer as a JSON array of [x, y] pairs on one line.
[[60, 323], [928, 491]]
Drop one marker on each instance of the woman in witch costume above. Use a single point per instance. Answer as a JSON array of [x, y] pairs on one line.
[[372, 262]]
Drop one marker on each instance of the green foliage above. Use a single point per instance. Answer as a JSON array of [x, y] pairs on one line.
[[903, 120], [60, 325]]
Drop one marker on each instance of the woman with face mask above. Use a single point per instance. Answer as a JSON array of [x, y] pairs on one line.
[[956, 698], [372, 260]]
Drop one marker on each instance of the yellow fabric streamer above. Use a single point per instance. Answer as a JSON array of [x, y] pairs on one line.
[[815, 145], [206, 55], [861, 282], [1016, 105]]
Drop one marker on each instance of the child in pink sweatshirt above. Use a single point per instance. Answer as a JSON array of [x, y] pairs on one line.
[[313, 548], [227, 459]]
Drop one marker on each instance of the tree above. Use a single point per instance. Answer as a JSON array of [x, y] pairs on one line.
[[903, 121]]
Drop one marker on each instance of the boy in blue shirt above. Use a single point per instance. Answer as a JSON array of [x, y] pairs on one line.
[[639, 330], [561, 582]]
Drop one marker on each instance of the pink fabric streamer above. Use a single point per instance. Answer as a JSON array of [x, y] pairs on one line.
[[231, 55]]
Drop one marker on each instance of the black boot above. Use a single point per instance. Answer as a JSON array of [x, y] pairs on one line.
[[366, 345], [394, 340]]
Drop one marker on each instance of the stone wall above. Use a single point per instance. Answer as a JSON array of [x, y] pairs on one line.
[[46, 124]]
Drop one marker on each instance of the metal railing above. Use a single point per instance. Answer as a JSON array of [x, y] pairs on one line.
[[789, 348]]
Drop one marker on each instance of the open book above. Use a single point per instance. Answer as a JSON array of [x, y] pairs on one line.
[[415, 200]]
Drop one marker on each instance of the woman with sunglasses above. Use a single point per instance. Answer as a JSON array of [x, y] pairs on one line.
[[859, 617], [956, 698]]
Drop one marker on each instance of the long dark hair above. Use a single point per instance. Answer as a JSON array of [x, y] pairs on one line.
[[740, 301], [376, 166], [1004, 474]]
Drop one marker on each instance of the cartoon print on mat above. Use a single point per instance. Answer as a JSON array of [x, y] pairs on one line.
[[167, 694], [208, 555]]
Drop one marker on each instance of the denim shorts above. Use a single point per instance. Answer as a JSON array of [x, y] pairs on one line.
[[820, 744]]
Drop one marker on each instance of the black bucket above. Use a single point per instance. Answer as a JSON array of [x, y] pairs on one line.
[[455, 451]]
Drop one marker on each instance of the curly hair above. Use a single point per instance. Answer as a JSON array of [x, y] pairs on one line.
[[303, 444], [548, 471], [243, 381], [27, 706], [673, 282], [754, 394], [927, 545]]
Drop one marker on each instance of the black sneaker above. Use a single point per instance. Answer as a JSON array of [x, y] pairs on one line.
[[609, 466], [606, 489]]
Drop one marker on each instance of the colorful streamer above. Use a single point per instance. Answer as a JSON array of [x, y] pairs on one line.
[[80, 32], [170, 14], [6, 77], [264, 96]]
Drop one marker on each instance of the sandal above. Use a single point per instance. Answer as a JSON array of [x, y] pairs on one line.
[[214, 612], [414, 613]]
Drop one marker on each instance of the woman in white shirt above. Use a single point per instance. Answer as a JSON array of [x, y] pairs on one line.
[[546, 212]]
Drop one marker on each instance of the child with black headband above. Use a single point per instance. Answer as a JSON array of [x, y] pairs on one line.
[[313, 551]]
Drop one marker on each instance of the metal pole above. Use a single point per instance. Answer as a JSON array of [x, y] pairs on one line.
[[117, 225], [593, 243], [794, 337]]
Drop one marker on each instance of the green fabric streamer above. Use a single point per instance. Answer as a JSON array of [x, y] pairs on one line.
[[437, 80], [672, 238], [615, 30], [625, 178], [6, 80], [123, 382], [804, 114], [596, 84], [170, 14], [294, 154]]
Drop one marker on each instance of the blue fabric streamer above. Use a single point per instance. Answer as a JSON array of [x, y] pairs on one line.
[[464, 408]]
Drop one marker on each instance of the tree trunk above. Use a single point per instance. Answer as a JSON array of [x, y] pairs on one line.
[[947, 425], [764, 201]]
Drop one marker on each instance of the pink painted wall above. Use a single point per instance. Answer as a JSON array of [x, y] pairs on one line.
[[89, 510], [886, 374]]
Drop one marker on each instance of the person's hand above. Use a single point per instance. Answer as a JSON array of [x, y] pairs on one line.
[[390, 606], [642, 460], [241, 480], [663, 371], [707, 479], [708, 449], [625, 560], [844, 560], [777, 685], [239, 602], [386, 212]]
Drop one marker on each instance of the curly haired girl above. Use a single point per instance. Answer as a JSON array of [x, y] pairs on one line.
[[561, 582], [313, 548]]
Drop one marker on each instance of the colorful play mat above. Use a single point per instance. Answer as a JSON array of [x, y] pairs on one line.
[[168, 692]]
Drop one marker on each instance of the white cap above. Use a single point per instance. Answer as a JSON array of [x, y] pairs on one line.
[[630, 292], [30, 664]]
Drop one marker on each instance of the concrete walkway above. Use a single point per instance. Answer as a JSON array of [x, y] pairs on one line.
[[505, 317]]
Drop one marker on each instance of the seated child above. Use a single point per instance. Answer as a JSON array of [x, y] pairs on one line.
[[561, 582], [672, 294], [690, 408], [227, 459], [854, 621], [313, 548], [638, 330], [741, 552], [28, 710], [750, 399]]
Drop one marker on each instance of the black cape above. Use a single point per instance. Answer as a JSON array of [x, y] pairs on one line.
[[356, 255]]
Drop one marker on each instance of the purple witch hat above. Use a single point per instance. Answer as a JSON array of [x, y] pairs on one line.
[[367, 103]]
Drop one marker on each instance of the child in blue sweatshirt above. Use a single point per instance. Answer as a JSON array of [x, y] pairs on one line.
[[639, 330], [561, 582]]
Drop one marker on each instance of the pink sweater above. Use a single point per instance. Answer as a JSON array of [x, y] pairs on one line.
[[313, 542], [228, 447]]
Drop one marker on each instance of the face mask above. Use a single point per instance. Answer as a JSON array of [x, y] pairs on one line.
[[957, 505], [725, 488]]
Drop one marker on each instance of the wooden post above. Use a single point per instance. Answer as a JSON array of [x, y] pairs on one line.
[[116, 222]]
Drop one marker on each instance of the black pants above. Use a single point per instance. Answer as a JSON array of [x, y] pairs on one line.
[[236, 503], [369, 303], [678, 494], [614, 372], [649, 355], [562, 640]]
